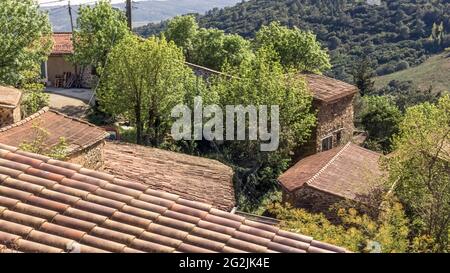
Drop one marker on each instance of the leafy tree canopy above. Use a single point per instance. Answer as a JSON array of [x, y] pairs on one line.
[[144, 80], [99, 28], [419, 169], [25, 39], [297, 49]]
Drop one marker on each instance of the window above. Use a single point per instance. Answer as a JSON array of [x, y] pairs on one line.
[[338, 138], [327, 144]]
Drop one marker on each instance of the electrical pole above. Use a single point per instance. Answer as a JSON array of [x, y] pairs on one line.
[[70, 14], [128, 13]]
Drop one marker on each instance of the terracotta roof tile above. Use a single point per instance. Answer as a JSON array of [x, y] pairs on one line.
[[328, 89], [194, 178], [349, 171], [62, 44], [9, 97], [51, 210], [77, 133]]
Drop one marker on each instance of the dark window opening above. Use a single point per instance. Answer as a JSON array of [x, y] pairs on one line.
[[327, 144], [339, 138]]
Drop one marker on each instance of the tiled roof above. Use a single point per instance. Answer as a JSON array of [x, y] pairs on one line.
[[52, 206], [62, 44], [328, 89], [195, 178], [77, 133], [9, 97], [350, 172]]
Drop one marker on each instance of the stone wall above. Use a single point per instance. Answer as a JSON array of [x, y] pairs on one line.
[[91, 158], [333, 119], [312, 200], [9, 116]]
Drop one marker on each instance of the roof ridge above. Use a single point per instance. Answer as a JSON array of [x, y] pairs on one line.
[[72, 118], [328, 164], [25, 120]]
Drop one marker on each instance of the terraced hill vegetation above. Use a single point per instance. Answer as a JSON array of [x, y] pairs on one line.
[[434, 72], [395, 35]]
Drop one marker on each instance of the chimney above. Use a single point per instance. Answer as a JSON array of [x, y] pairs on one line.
[[10, 99]]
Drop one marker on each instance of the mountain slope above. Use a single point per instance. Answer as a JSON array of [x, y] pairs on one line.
[[433, 72], [395, 31], [144, 12]]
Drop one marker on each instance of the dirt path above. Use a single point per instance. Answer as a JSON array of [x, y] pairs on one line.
[[69, 106]]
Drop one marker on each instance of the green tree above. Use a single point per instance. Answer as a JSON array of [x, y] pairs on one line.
[[207, 47], [419, 168], [25, 38], [182, 30], [213, 49], [144, 80], [380, 117], [34, 98], [99, 28], [356, 232], [363, 77], [296, 48], [263, 81]]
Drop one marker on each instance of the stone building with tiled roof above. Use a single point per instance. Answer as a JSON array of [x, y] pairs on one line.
[[317, 182], [53, 206], [10, 99], [84, 141], [333, 101], [195, 178], [58, 71]]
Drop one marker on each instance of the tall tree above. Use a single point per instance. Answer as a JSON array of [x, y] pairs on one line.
[[212, 48], [419, 169], [363, 77], [263, 81], [182, 30], [296, 48], [99, 28], [380, 117], [144, 80], [25, 39]]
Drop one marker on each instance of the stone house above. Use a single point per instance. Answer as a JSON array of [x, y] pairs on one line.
[[84, 141], [10, 99], [317, 182], [333, 101], [57, 71]]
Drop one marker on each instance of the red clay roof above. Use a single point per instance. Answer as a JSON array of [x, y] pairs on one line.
[[328, 89], [53, 206], [62, 44], [350, 172], [195, 178], [9, 97], [77, 133]]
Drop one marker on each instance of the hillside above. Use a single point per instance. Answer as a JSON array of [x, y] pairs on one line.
[[144, 12], [435, 72], [394, 35]]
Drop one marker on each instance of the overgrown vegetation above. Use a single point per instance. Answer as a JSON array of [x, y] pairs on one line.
[[25, 39], [394, 35], [39, 144]]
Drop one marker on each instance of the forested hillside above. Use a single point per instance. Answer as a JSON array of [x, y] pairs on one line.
[[394, 35]]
